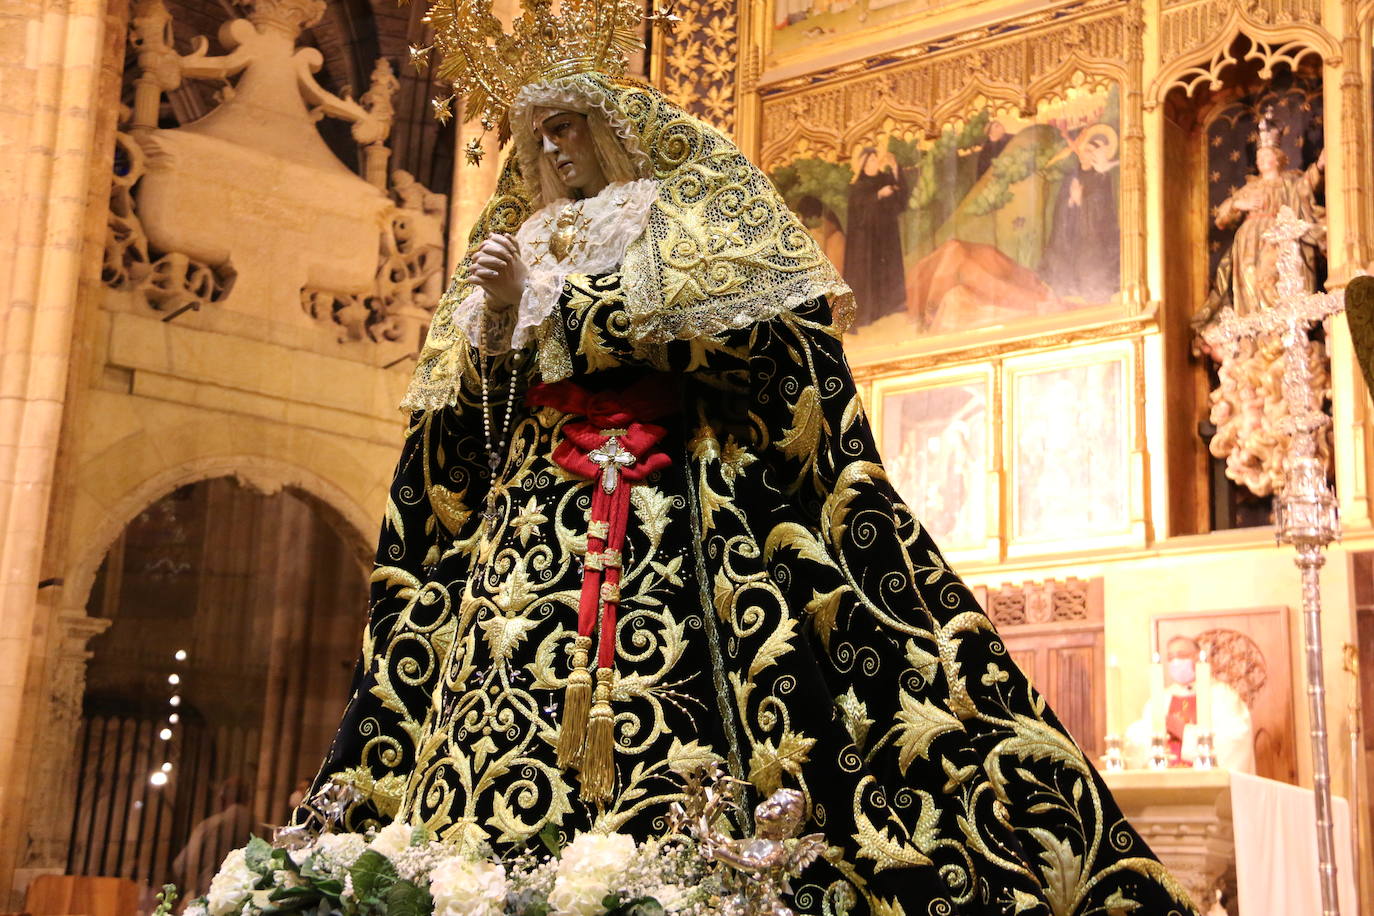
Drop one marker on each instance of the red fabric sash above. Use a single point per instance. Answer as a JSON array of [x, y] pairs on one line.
[[616, 447]]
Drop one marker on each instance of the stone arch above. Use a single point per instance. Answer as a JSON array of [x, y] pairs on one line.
[[264, 475]]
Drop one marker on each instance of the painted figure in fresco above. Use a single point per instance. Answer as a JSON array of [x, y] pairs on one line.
[[790, 12], [1247, 406], [1083, 257], [968, 284], [873, 240], [823, 225], [640, 526], [991, 148]]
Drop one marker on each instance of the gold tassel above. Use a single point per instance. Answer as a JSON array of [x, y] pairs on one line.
[[598, 766], [577, 704]]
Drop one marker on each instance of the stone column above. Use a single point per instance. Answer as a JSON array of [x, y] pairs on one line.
[[51, 789], [49, 68]]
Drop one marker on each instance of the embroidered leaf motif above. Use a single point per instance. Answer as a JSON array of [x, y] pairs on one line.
[[802, 437], [684, 758], [669, 570], [853, 412], [801, 539], [921, 723], [881, 846], [393, 517], [1118, 904], [1033, 739], [1061, 873], [925, 663], [770, 760], [651, 507], [823, 608], [448, 507], [775, 646], [855, 715]]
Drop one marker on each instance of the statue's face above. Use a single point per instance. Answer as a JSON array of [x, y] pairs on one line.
[[565, 139], [1267, 161]]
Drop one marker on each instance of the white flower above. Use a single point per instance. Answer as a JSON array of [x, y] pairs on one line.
[[392, 839], [231, 886], [462, 887], [591, 867], [338, 851], [671, 896], [195, 908]]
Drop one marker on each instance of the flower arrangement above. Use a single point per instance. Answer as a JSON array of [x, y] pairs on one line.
[[402, 870]]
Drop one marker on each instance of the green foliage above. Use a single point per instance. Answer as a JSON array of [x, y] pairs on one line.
[[827, 182], [373, 874], [165, 900], [548, 835], [257, 855], [639, 906], [405, 898]]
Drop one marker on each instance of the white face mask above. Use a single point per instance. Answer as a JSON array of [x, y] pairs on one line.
[[1182, 670]]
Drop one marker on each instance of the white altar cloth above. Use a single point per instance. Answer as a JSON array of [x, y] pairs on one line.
[[1276, 849]]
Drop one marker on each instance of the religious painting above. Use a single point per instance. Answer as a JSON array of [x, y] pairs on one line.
[[934, 432], [798, 25], [1068, 442], [1000, 219]]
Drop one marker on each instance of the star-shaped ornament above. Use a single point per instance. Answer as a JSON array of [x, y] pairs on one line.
[[419, 57], [473, 151], [663, 17], [443, 109]]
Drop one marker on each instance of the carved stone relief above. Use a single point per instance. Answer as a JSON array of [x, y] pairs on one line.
[[248, 210], [52, 788]]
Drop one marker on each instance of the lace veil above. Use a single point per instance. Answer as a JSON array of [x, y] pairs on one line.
[[721, 249]]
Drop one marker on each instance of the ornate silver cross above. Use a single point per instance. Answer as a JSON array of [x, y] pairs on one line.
[[1305, 510], [610, 457]]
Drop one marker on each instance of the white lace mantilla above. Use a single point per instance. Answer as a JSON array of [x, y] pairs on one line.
[[596, 231]]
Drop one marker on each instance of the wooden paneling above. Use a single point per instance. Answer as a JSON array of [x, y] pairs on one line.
[[69, 895], [1053, 631], [1064, 663]]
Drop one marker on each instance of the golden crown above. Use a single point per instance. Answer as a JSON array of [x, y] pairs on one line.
[[1270, 134], [487, 67]]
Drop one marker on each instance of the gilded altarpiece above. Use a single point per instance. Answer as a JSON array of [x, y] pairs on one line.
[[983, 196]]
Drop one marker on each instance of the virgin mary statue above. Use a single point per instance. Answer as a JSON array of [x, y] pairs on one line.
[[639, 525]]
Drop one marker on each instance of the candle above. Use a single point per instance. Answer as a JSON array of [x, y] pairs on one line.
[[1113, 696], [1159, 696], [1203, 686]]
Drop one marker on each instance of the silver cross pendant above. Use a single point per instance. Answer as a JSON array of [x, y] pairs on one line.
[[610, 457]]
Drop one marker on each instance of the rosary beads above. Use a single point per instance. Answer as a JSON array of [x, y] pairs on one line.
[[494, 453]]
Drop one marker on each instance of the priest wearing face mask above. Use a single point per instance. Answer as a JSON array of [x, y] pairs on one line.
[[1177, 707]]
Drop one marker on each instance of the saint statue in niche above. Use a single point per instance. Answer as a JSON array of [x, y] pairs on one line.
[[1247, 406]]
